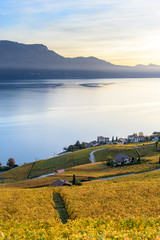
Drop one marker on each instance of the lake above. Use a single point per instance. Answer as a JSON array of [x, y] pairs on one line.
[[40, 117]]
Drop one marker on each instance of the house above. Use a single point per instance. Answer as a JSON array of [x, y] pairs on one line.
[[156, 133], [122, 159], [61, 183], [102, 139], [60, 171], [135, 138], [91, 144], [155, 139], [121, 141]]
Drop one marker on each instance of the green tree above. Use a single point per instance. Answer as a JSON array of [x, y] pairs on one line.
[[74, 180], [77, 144], [109, 160], [83, 145]]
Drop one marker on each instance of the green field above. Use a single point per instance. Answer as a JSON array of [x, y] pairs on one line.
[[77, 158], [129, 150], [17, 174]]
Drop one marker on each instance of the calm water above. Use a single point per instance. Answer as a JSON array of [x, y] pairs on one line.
[[40, 117]]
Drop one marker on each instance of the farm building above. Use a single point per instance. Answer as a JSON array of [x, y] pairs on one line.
[[122, 159], [61, 183], [60, 171]]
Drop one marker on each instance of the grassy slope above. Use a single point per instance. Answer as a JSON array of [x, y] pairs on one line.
[[69, 160], [127, 149], [100, 169], [17, 174], [61, 162], [41, 182]]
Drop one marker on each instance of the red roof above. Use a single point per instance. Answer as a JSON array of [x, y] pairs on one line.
[[101, 137]]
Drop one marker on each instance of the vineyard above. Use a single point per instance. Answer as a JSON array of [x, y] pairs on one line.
[[100, 169], [67, 161], [125, 208], [17, 174], [129, 150], [60, 162], [118, 199]]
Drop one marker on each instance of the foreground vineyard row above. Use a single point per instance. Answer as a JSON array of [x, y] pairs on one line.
[[126, 208]]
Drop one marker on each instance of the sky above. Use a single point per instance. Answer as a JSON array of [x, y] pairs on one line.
[[123, 32]]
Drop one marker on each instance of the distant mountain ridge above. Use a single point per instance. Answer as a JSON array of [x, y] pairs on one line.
[[19, 61]]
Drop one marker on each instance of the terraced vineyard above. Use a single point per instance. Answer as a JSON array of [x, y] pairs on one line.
[[64, 161], [118, 199], [100, 169], [125, 208], [129, 150], [77, 158], [41, 182], [17, 174]]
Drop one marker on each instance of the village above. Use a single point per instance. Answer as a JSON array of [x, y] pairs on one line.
[[134, 138], [101, 140]]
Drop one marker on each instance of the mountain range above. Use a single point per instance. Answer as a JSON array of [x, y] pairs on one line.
[[36, 61]]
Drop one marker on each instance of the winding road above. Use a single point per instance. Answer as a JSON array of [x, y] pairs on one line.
[[92, 157]]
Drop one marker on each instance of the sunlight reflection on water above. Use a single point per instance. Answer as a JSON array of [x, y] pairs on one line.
[[40, 117]]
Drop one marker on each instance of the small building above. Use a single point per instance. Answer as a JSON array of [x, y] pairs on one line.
[[122, 159], [155, 139], [102, 139], [60, 171], [156, 133], [121, 141], [135, 138], [91, 144], [61, 183]]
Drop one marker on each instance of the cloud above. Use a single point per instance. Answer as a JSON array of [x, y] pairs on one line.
[[117, 30]]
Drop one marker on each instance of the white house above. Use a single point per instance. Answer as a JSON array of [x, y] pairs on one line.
[[102, 139]]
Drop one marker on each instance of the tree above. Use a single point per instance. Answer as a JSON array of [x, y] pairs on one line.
[[11, 162], [0, 164], [83, 145], [109, 160], [135, 134], [74, 180], [77, 144], [141, 134]]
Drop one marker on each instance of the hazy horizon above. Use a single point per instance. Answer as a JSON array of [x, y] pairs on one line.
[[118, 31]]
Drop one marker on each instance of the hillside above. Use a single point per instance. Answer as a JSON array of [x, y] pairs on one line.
[[78, 163], [120, 208], [126, 208], [36, 61]]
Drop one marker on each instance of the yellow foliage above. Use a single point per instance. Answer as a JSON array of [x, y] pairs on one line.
[[116, 198], [24, 204], [101, 169]]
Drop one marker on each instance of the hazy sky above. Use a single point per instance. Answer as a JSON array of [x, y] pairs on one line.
[[125, 32]]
